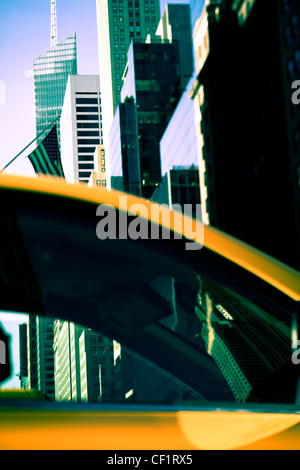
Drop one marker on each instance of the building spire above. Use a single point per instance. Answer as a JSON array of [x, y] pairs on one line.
[[53, 23]]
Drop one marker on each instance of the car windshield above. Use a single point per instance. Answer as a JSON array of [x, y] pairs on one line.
[[212, 346], [141, 321]]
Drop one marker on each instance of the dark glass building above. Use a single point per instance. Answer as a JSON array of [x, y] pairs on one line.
[[180, 186], [250, 126], [124, 149], [155, 91], [51, 71]]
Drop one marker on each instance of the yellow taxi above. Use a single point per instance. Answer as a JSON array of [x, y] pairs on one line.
[[158, 333]]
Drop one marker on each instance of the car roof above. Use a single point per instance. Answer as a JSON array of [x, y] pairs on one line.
[[279, 275]]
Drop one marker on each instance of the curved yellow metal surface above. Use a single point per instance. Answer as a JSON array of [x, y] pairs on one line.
[[145, 430], [274, 272]]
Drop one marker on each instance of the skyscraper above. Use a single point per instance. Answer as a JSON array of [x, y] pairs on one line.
[[120, 21], [156, 91], [81, 127], [51, 71], [251, 146]]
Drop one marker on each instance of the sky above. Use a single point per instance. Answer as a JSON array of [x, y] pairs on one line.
[[9, 323], [24, 35]]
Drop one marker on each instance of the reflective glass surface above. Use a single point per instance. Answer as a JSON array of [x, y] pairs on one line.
[[51, 70]]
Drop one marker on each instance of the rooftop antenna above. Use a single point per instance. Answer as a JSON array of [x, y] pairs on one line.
[[53, 23]]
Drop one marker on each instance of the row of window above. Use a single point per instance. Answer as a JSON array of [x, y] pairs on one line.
[[88, 141], [291, 30], [286, 5], [293, 65], [87, 100], [101, 183], [118, 46], [84, 174], [85, 158], [136, 2], [88, 133], [122, 37], [117, 57], [87, 117], [90, 125], [86, 166], [87, 109]]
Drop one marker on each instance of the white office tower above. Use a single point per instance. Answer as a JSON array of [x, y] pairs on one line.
[[81, 127]]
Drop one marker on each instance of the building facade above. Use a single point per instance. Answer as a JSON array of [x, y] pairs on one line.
[[250, 140], [178, 144], [98, 176], [180, 186], [81, 127], [51, 71], [118, 22], [155, 91], [124, 147], [23, 376]]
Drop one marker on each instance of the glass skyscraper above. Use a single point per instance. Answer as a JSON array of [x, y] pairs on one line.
[[51, 71]]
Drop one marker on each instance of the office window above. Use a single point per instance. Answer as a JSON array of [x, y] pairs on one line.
[[297, 59], [86, 149], [88, 141], [295, 25], [86, 101], [103, 182], [287, 36], [91, 125], [86, 109], [98, 182], [86, 166], [88, 133], [87, 117], [291, 69], [296, 141], [85, 158]]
